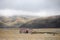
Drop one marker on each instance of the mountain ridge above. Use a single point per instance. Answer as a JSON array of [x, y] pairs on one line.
[[48, 22]]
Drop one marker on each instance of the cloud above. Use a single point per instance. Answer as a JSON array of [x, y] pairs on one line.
[[30, 5], [44, 13]]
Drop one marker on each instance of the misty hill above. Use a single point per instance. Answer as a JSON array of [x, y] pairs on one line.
[[14, 21], [46, 22]]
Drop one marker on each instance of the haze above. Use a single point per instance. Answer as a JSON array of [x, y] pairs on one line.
[[30, 7]]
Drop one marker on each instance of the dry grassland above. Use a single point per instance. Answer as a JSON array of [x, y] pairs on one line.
[[13, 34]]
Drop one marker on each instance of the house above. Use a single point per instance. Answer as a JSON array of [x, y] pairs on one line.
[[25, 30]]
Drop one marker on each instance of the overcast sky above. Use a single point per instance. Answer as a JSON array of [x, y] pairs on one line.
[[30, 7]]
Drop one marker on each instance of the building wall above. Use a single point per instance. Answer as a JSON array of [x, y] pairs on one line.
[[25, 30]]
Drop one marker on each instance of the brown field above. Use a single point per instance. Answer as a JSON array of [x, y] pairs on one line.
[[13, 34]]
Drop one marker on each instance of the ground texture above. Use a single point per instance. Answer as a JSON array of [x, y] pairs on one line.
[[13, 34]]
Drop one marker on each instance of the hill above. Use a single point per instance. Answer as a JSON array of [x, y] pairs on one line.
[[46, 22], [14, 21]]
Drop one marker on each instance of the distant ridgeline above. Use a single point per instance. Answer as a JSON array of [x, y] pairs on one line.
[[48, 22]]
